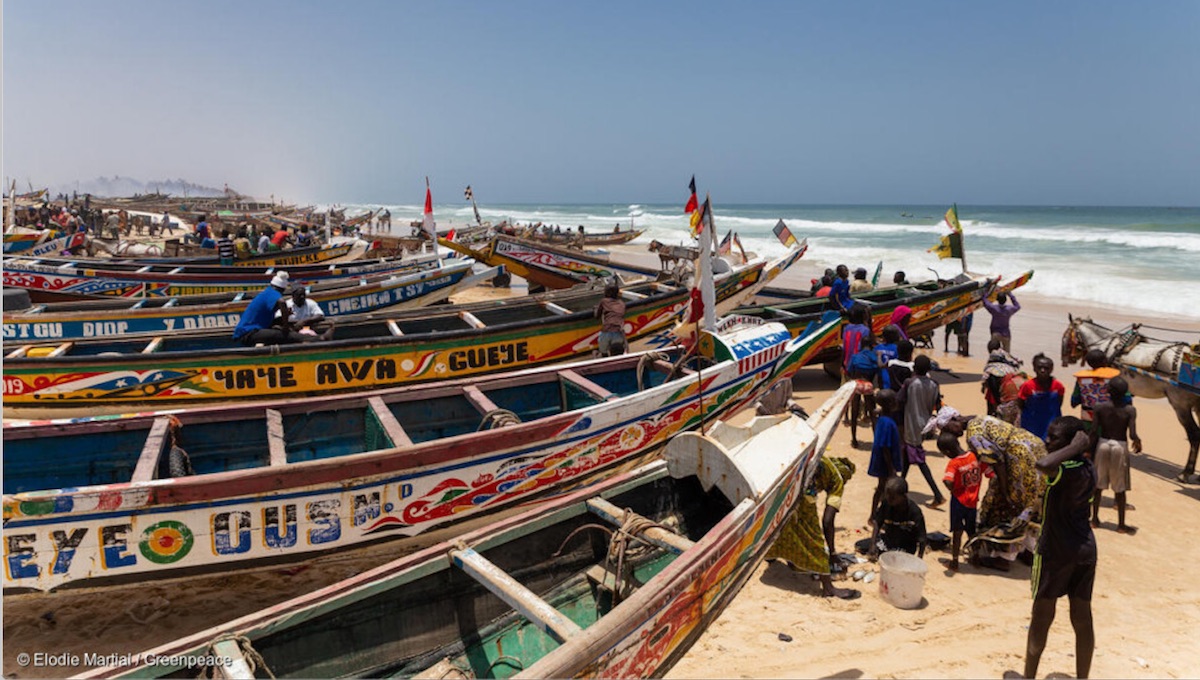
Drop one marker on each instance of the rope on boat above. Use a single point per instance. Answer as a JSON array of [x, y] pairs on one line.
[[632, 525], [558, 553], [253, 659], [512, 660], [498, 417], [644, 363]]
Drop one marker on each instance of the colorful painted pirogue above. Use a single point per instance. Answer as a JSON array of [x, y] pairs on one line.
[[436, 344], [552, 592], [182, 253], [52, 280], [153, 317], [932, 305], [292, 478], [596, 239]]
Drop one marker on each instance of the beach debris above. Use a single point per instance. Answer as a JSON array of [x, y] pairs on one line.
[[784, 637], [869, 577], [1141, 662], [858, 575], [147, 612]]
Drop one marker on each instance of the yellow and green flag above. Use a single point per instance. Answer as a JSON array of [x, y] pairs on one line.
[[949, 246], [952, 219]]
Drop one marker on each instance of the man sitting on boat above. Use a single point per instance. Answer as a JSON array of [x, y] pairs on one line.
[[305, 316], [257, 325]]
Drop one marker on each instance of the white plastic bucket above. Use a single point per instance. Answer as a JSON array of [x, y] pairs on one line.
[[901, 579]]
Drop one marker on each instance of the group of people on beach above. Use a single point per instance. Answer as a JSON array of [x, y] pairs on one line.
[[1046, 471], [273, 319]]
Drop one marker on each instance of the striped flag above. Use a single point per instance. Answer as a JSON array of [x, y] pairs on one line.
[[692, 202], [949, 246], [427, 223], [784, 234], [737, 241], [700, 216], [725, 247], [467, 195]]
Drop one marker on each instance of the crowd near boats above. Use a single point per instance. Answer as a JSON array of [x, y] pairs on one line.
[[143, 442]]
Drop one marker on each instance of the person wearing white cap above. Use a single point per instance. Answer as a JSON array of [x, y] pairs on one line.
[[257, 323]]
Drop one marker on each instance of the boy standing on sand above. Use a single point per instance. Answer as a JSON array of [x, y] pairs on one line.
[[887, 447], [1002, 314], [1041, 399], [1114, 420], [919, 397], [1066, 555], [1091, 386], [963, 477]]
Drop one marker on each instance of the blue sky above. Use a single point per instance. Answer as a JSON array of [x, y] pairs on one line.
[[1083, 103]]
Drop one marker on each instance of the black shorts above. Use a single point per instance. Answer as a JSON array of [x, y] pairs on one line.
[[962, 518], [1056, 578]]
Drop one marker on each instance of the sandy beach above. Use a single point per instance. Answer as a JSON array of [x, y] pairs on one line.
[[973, 624]]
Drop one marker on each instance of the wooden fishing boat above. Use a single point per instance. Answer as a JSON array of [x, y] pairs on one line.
[[616, 580], [590, 240], [552, 267], [178, 252], [50, 247], [149, 318], [305, 476], [548, 266], [20, 239], [933, 305], [434, 344], [58, 279]]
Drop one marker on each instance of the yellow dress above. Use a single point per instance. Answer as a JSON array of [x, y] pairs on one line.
[[801, 540]]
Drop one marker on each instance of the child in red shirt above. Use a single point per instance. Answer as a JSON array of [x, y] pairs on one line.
[[962, 478]]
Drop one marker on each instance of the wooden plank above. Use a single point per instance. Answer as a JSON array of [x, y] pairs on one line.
[[667, 540], [18, 352], [35, 310], [388, 421], [68, 265], [171, 303], [147, 465], [276, 444], [143, 270], [630, 295], [781, 313], [587, 385], [138, 305], [239, 297], [479, 399], [177, 270], [557, 309], [471, 320], [154, 346], [520, 598], [61, 349], [667, 367], [394, 328]]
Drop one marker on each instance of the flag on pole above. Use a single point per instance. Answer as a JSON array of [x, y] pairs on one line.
[[700, 216], [725, 247], [692, 202], [952, 219], [784, 234], [467, 195], [737, 241], [450, 234], [949, 246], [427, 223], [878, 272]]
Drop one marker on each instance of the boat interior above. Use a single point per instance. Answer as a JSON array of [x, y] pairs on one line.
[[223, 440]]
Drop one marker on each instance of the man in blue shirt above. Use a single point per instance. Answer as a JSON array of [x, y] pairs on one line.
[[257, 323], [839, 291]]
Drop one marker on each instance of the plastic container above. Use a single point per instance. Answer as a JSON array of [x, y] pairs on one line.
[[901, 579]]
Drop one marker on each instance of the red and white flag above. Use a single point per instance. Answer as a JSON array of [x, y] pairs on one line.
[[428, 224]]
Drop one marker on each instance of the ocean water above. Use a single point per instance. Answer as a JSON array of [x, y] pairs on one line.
[[1145, 258]]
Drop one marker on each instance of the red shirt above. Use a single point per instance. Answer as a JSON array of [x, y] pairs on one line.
[[964, 475], [279, 237]]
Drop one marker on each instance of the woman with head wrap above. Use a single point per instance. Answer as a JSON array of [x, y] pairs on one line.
[[901, 316]]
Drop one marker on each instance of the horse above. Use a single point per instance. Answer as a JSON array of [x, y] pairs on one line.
[[669, 256], [1127, 349]]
